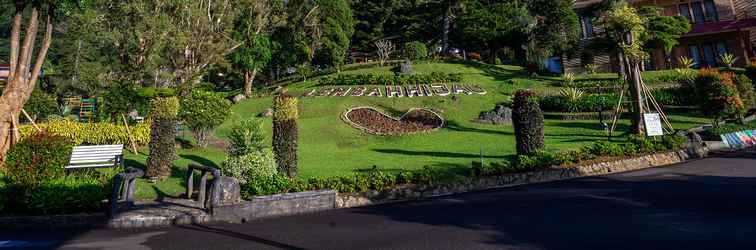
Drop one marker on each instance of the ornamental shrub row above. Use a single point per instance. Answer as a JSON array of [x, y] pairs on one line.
[[92, 133], [35, 184], [635, 145], [383, 79], [586, 103], [375, 179]]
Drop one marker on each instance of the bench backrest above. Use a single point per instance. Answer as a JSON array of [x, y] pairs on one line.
[[96, 156]]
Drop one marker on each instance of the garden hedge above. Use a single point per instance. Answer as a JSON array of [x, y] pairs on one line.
[[92, 133], [383, 79], [377, 179]]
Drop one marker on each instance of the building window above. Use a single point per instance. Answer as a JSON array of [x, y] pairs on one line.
[[711, 11], [695, 55], [699, 12], [707, 55], [685, 11], [586, 26]]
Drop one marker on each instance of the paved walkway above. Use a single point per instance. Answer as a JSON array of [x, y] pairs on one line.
[[704, 204]]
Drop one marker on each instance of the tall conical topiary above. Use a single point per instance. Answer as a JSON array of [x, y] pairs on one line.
[[527, 119], [285, 133], [164, 115]]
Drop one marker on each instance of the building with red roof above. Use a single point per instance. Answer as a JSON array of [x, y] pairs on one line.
[[718, 27]]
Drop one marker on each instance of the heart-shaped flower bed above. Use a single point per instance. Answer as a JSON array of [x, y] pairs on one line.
[[375, 122]]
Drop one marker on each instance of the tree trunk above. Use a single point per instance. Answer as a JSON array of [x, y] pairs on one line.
[[446, 29], [635, 94], [249, 78], [21, 81]]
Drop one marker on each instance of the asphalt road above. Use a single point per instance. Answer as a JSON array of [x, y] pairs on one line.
[[704, 204]]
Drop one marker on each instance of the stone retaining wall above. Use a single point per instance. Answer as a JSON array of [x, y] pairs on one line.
[[276, 205], [411, 192]]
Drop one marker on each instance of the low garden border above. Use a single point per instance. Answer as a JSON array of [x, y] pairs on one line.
[[607, 115], [315, 201], [346, 119]]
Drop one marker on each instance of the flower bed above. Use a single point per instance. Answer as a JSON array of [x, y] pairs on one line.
[[373, 121]]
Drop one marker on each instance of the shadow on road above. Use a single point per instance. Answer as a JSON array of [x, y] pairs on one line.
[[228, 233]]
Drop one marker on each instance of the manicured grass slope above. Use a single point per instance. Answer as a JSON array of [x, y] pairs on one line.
[[330, 147]]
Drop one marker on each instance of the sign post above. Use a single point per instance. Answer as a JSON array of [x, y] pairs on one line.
[[653, 124]]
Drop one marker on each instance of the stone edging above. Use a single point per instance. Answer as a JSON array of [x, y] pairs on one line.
[[162, 214], [346, 119], [413, 192]]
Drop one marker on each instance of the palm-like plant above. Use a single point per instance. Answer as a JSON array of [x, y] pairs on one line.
[[728, 59], [572, 98], [686, 62], [686, 71], [568, 79], [572, 94]]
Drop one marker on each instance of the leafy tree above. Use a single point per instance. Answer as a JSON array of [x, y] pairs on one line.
[[120, 99], [252, 56], [25, 67], [624, 29], [377, 19], [253, 27], [662, 31], [338, 28], [40, 106], [415, 50], [557, 28], [496, 24], [203, 111]]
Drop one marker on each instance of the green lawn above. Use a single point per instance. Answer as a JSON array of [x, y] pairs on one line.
[[330, 147]]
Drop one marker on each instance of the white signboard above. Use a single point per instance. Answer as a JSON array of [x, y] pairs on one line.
[[653, 124]]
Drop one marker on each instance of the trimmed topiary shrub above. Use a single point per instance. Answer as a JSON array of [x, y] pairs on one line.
[[37, 158], [285, 133], [164, 113], [527, 119], [203, 111]]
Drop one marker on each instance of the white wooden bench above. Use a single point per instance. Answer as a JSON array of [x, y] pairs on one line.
[[98, 156]]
